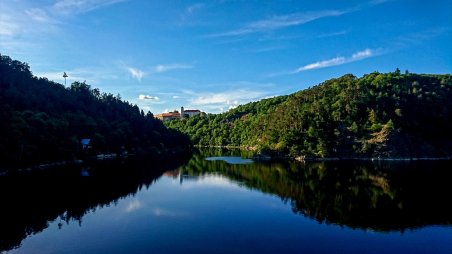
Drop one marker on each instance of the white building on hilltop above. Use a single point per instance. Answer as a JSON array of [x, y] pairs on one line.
[[184, 113], [189, 112]]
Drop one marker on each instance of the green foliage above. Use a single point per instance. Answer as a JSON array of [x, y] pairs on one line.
[[392, 114], [42, 120]]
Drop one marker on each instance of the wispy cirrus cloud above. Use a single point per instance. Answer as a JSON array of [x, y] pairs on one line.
[[8, 27], [333, 34], [139, 74], [169, 67], [293, 19], [40, 15], [281, 21], [24, 23], [21, 22], [27, 18], [338, 60], [419, 37], [67, 7]]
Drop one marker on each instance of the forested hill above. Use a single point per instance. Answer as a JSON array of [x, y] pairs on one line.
[[44, 121], [378, 115]]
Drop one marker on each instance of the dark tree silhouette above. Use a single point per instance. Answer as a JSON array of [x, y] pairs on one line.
[[44, 121]]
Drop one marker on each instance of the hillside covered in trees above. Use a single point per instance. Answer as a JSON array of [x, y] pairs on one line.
[[378, 115], [44, 121]]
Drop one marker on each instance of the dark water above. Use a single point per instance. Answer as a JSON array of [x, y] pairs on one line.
[[226, 204]]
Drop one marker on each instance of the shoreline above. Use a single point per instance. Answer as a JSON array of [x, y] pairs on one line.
[[267, 157], [374, 159]]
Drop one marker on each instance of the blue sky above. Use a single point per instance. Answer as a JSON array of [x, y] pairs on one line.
[[215, 55]]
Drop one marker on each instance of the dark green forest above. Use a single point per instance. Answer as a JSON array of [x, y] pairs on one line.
[[43, 121], [378, 115]]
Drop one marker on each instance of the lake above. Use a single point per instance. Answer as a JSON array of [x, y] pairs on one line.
[[221, 202]]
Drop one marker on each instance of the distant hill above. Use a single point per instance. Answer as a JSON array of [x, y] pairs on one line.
[[44, 121], [378, 115]]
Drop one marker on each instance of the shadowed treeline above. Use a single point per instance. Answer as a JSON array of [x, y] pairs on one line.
[[43, 121]]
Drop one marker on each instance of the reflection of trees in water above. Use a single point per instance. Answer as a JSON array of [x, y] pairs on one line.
[[381, 196], [363, 195], [30, 202]]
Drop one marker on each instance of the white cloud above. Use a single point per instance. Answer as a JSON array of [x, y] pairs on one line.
[[236, 93], [148, 97], [337, 60], [217, 102], [323, 64], [66, 7], [136, 73], [176, 97], [168, 67], [282, 21], [362, 54]]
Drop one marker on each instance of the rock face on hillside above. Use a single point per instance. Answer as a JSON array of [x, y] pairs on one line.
[[403, 146]]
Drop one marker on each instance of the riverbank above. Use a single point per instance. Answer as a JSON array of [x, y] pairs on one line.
[[268, 156], [300, 158], [167, 155]]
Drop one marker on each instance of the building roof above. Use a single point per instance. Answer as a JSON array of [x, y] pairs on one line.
[[192, 110], [170, 114]]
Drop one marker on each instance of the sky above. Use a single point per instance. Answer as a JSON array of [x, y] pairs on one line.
[[215, 55]]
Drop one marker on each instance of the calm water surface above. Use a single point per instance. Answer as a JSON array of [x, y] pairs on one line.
[[220, 203]]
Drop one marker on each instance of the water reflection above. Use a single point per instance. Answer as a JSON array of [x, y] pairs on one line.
[[381, 196], [31, 201], [365, 196], [230, 160]]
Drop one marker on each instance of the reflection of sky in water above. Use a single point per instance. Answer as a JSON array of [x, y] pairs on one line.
[[230, 159], [209, 214], [133, 205], [208, 181]]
